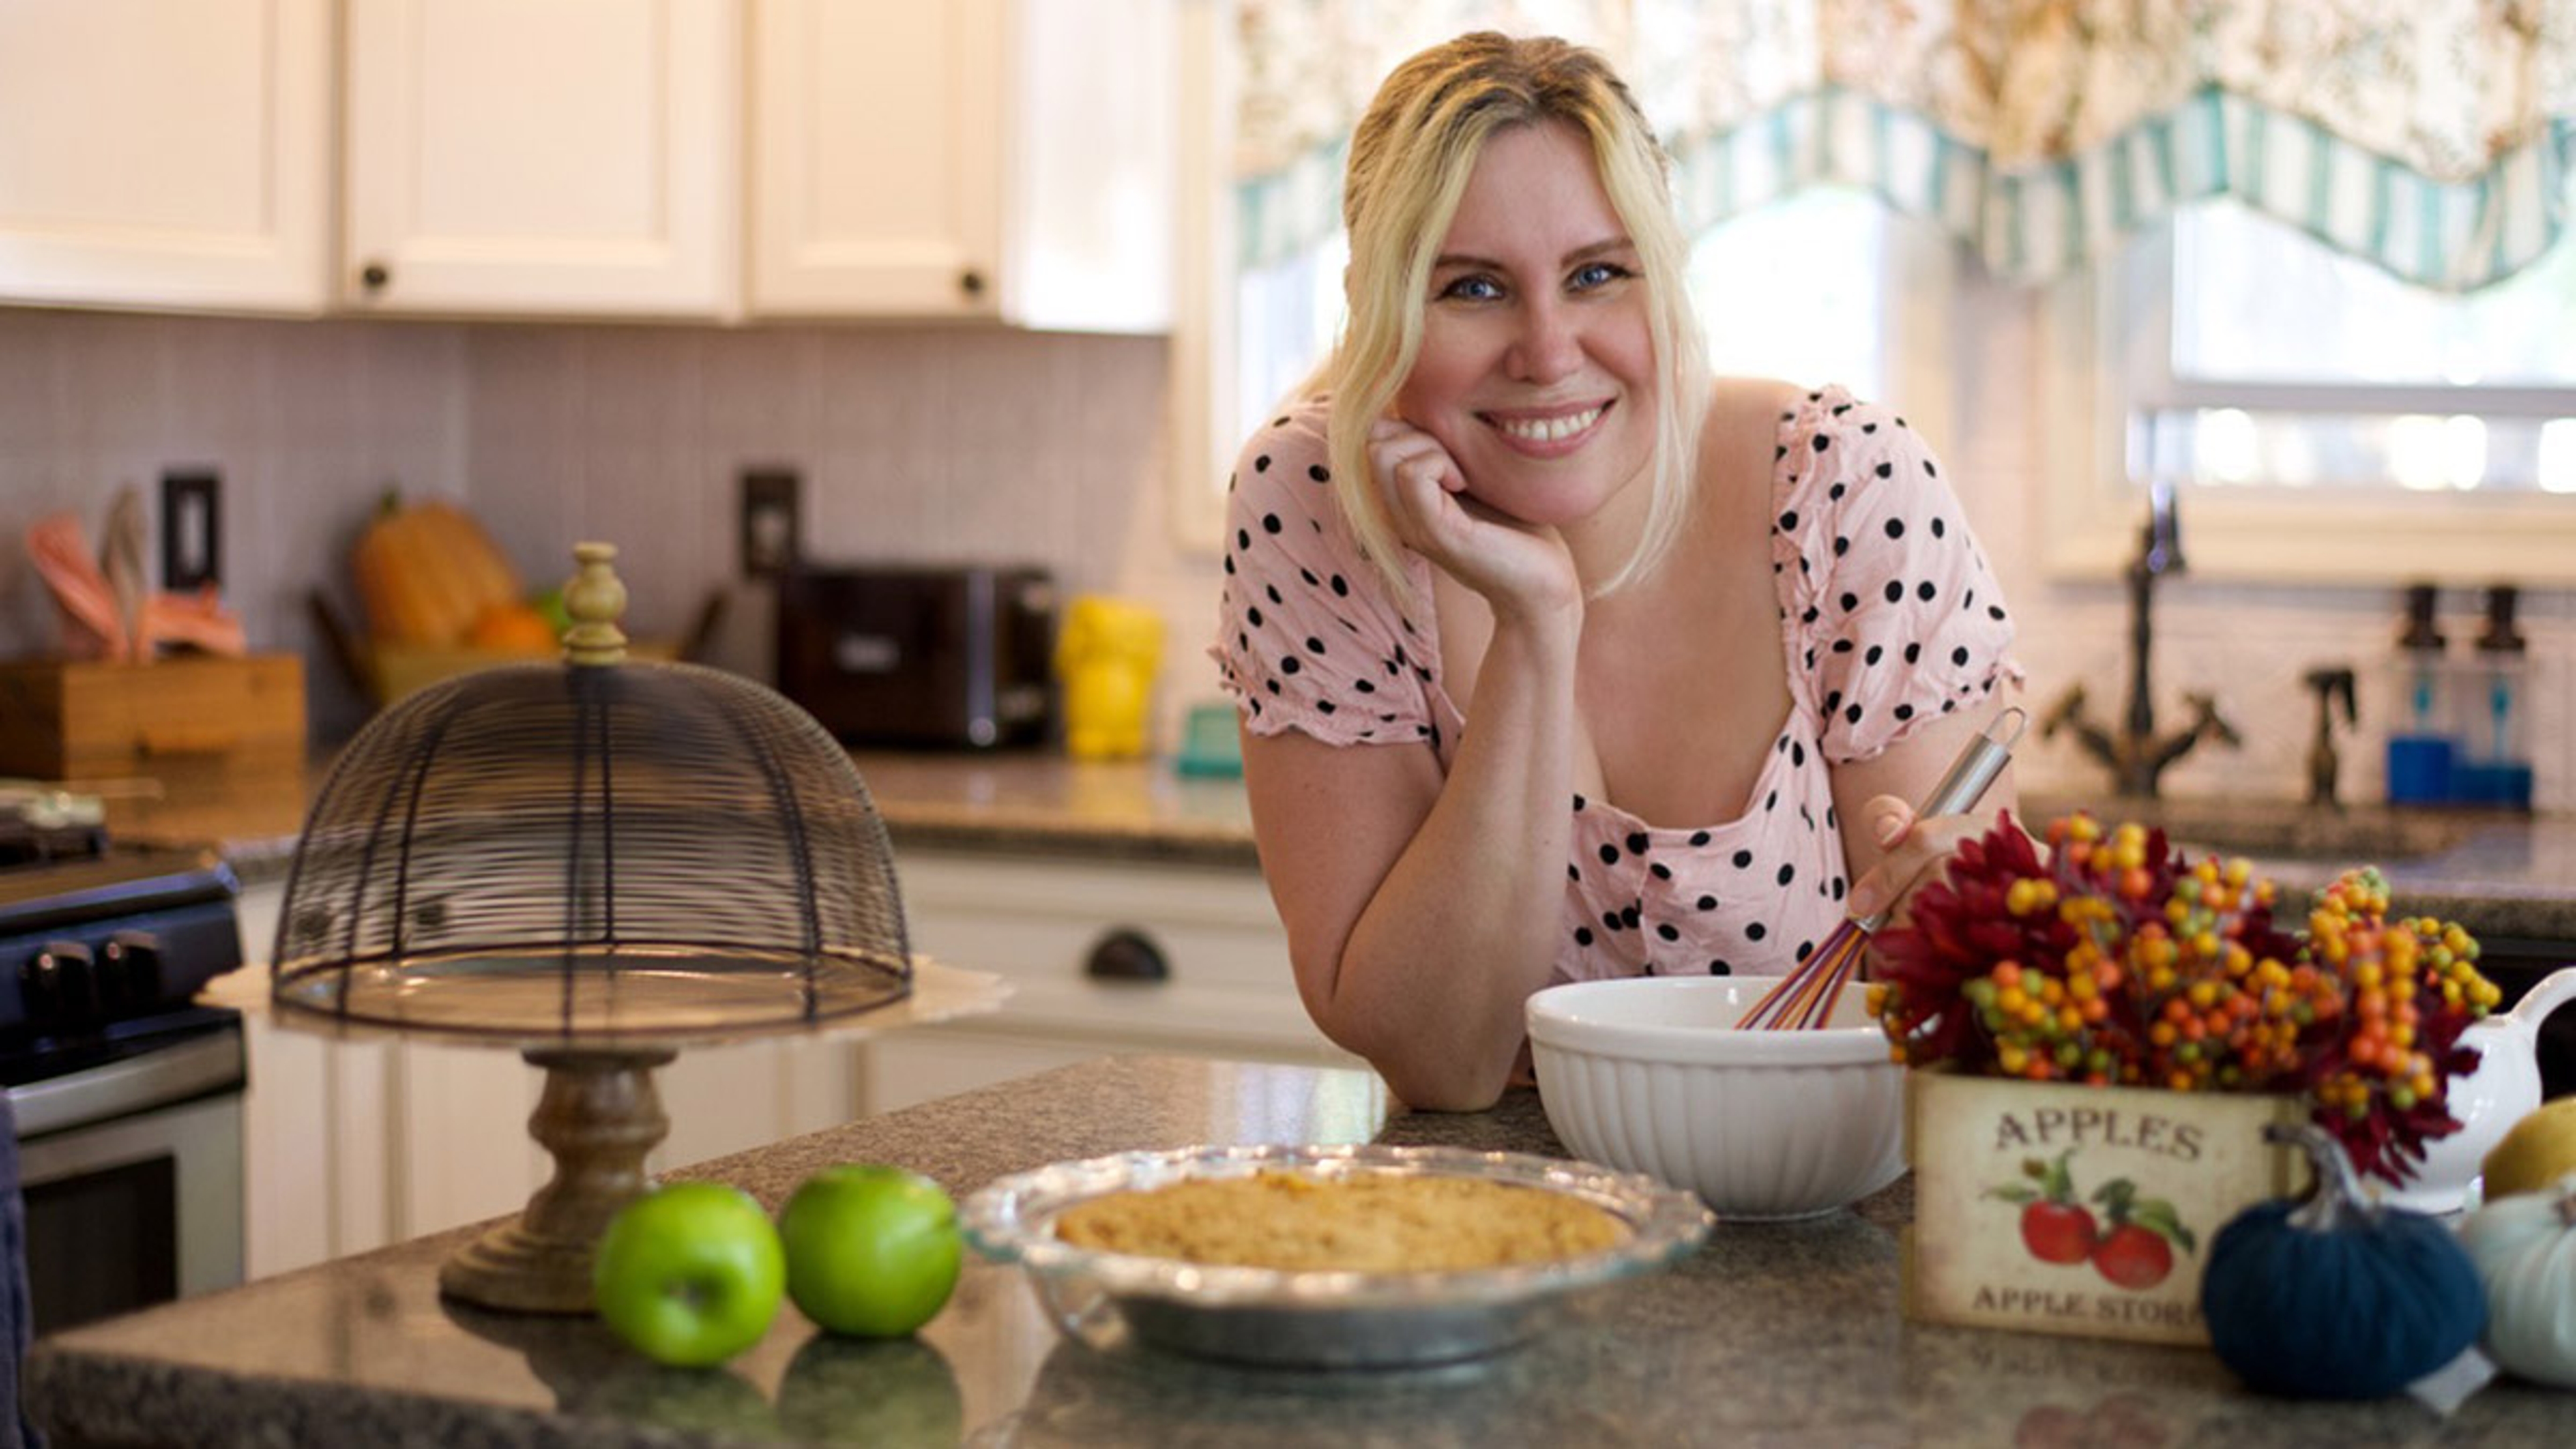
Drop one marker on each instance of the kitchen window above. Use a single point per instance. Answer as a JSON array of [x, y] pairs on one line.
[[2322, 420]]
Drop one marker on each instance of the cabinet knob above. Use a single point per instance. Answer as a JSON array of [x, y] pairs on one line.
[[1126, 954], [375, 275], [971, 282]]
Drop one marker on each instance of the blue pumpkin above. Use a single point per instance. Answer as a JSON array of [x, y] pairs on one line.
[[2337, 1297]]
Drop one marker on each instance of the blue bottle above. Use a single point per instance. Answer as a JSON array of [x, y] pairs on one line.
[[2422, 748]]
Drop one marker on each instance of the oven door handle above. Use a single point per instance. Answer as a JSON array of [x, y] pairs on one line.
[[137, 1084]]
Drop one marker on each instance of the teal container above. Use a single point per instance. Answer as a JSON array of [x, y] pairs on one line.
[[1210, 747]]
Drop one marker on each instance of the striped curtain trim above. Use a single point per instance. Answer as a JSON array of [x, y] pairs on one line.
[[2037, 223]]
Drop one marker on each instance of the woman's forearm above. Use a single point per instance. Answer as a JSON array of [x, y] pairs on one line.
[[1434, 973]]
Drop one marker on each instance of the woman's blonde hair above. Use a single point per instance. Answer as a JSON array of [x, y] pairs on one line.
[[1411, 157]]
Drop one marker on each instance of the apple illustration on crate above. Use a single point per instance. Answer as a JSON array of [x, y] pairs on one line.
[[2054, 1225], [2136, 1250]]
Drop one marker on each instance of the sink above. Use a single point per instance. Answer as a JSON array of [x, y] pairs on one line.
[[2274, 829]]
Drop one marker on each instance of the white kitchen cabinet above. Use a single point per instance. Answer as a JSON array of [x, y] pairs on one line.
[[998, 160], [316, 1169], [1010, 159], [549, 157], [1056, 929], [458, 1118], [166, 153]]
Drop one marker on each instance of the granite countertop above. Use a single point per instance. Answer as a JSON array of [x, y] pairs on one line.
[[1776, 1334], [1027, 802], [2502, 875], [1047, 804]]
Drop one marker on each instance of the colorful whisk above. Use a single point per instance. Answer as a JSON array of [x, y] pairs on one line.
[[1805, 998]]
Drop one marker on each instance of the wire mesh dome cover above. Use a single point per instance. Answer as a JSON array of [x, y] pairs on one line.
[[591, 852]]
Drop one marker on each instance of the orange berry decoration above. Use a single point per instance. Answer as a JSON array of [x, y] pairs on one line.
[[2113, 959]]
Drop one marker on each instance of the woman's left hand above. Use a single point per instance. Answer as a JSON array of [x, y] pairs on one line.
[[1913, 847]]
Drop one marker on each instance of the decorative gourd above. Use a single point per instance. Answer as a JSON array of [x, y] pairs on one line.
[[514, 629], [426, 572], [2525, 1250], [2336, 1297]]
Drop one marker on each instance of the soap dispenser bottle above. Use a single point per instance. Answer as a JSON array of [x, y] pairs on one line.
[[2422, 746], [2494, 766]]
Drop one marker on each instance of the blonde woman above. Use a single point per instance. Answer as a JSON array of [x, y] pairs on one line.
[[1555, 658]]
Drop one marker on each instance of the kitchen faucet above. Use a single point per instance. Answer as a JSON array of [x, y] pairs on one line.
[[2137, 755], [2333, 685]]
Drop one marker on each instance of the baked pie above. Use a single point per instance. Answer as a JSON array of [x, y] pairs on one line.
[[1362, 1222]]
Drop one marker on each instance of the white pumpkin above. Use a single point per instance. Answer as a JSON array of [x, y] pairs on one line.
[[2525, 1250]]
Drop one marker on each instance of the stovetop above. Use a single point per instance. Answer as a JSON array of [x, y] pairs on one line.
[[97, 935], [119, 879]]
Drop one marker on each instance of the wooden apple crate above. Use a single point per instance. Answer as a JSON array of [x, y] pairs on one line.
[[1965, 1260], [192, 715]]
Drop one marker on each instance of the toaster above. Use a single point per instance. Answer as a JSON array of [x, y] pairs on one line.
[[920, 656]]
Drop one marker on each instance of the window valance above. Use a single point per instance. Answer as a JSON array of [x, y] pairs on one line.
[[2433, 137]]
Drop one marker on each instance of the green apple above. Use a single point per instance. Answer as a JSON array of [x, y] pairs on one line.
[[690, 1274], [872, 1250]]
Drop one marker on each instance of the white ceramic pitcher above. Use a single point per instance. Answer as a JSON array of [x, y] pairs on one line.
[[2488, 1101]]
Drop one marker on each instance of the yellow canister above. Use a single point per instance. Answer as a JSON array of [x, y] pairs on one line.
[[1106, 653]]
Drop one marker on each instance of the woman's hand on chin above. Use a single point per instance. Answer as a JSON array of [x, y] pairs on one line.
[[1517, 567]]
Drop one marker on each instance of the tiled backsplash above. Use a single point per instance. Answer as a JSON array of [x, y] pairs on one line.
[[953, 443], [925, 443]]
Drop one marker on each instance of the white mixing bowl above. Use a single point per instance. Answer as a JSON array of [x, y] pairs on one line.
[[1651, 1075]]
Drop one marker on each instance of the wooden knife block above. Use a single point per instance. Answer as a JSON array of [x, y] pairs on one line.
[[188, 716]]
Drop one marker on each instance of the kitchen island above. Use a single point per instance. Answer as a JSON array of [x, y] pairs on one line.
[[1771, 1334]]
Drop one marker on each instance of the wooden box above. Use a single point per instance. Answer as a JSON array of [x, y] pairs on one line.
[[1983, 1149], [190, 715]]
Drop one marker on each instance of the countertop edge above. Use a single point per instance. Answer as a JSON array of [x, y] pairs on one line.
[[99, 1396]]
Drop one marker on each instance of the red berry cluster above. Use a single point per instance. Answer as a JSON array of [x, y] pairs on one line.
[[2117, 960]]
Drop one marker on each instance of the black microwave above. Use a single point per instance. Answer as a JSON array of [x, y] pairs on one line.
[[921, 656]]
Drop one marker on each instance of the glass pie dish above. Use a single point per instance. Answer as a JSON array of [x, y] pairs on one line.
[[1306, 1318]]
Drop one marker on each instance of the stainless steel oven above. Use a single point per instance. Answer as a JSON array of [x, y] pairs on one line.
[[127, 1094]]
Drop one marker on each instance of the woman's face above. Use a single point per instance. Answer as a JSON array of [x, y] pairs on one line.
[[1537, 368]]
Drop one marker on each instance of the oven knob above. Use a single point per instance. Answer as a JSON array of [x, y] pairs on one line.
[[59, 986], [40, 988], [129, 971]]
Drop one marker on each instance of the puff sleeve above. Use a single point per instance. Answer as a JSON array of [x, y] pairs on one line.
[[1901, 616], [1309, 636]]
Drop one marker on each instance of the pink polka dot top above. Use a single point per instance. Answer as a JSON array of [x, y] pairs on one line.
[[1889, 614]]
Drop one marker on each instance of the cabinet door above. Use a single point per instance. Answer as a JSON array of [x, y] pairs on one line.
[[732, 1098], [876, 141], [317, 1161], [457, 1120], [542, 157], [904, 1069], [165, 153], [1103, 958], [1011, 159]]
